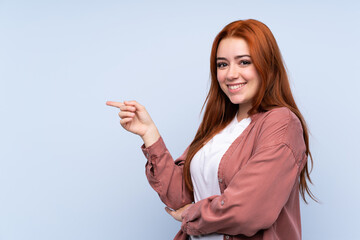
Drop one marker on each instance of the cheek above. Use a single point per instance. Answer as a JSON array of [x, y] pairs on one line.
[[256, 86], [252, 76], [220, 76], [248, 74], [257, 80]]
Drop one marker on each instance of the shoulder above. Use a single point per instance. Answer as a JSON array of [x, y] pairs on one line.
[[280, 117], [279, 125], [280, 114]]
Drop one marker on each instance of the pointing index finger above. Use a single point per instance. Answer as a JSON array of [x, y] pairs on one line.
[[114, 104]]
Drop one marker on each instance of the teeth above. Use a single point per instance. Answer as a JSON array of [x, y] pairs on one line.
[[237, 86]]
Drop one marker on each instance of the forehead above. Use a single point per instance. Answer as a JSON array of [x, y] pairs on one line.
[[232, 46]]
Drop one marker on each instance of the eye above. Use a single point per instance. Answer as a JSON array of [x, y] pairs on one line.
[[221, 64], [245, 62]]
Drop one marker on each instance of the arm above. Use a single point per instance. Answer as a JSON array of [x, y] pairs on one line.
[[258, 192], [166, 175], [253, 199]]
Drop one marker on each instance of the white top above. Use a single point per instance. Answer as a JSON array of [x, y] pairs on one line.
[[204, 165]]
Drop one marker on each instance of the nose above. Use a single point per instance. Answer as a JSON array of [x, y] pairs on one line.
[[232, 73]]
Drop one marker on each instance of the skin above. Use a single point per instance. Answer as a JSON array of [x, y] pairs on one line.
[[234, 66], [135, 119]]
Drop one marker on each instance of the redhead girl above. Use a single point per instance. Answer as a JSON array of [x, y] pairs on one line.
[[241, 176]]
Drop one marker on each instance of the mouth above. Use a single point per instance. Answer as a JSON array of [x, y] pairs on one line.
[[236, 86]]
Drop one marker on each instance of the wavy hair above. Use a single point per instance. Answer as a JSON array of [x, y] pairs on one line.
[[274, 91]]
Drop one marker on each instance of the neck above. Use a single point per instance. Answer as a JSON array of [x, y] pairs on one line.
[[243, 111]]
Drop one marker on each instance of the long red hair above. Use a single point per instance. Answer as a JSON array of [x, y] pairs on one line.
[[274, 91]]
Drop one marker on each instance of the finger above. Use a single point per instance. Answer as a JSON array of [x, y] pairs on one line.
[[124, 121], [127, 108], [126, 114], [114, 104], [169, 211], [134, 103]]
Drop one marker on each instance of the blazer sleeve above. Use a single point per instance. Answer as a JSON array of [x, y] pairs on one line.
[[166, 175], [257, 193]]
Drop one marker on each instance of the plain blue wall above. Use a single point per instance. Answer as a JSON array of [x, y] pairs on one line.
[[67, 168]]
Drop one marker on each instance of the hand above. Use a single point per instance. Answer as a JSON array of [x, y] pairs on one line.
[[176, 214], [135, 119]]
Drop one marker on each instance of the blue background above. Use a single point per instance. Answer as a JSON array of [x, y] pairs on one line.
[[68, 170]]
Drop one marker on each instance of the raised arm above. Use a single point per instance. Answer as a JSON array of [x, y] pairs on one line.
[[163, 173]]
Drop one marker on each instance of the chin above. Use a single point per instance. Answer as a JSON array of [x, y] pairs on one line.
[[237, 101]]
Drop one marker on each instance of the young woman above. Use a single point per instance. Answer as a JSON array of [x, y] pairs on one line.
[[241, 176]]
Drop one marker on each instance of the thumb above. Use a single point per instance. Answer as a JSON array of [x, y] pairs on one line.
[[169, 211]]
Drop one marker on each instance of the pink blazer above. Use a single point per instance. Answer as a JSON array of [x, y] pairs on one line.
[[258, 177]]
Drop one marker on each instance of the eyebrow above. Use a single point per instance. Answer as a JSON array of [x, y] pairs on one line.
[[237, 57]]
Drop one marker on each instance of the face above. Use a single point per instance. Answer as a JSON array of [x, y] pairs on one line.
[[236, 73]]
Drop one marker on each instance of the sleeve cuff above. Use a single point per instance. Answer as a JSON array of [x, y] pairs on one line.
[[154, 150], [190, 211]]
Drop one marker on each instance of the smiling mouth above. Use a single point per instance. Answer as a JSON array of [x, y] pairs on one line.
[[237, 86]]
